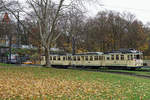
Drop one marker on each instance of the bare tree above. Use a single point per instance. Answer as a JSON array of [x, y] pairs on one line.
[[74, 28], [46, 15]]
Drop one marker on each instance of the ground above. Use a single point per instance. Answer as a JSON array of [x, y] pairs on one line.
[[36, 83]]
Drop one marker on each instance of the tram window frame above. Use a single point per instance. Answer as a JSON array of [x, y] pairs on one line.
[[82, 57], [95, 57], [54, 57], [107, 58], [74, 58], [134, 57], [112, 57], [122, 57], [50, 58], [64, 58], [131, 57], [103, 58], [91, 58], [128, 57], [78, 58], [86, 58], [58, 58], [117, 57], [141, 56], [138, 57], [100, 57], [69, 57]]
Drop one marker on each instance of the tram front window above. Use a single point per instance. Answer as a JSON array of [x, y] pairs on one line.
[[137, 56]]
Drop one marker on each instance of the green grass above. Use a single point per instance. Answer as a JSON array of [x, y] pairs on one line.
[[3, 64], [62, 84], [142, 71]]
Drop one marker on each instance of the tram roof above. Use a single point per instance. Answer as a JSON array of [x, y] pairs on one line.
[[120, 51], [124, 51]]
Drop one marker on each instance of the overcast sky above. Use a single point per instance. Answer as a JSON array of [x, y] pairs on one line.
[[140, 8]]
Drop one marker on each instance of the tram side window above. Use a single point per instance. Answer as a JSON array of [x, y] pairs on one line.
[[131, 57], [69, 58], [96, 58], [100, 57], [78, 58], [108, 58], [50, 57], [74, 58], [91, 58], [122, 57], [86, 58], [117, 57], [103, 57], [58, 58], [64, 58], [54, 57], [128, 57], [134, 56], [82, 57], [137, 56], [112, 57]]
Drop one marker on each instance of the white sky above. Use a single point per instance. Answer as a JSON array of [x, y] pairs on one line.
[[140, 8]]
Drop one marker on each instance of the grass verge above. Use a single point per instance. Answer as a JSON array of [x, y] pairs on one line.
[[60, 84]]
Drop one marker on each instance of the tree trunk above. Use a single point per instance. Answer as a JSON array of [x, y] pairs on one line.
[[47, 57]]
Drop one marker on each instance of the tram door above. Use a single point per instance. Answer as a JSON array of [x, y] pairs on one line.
[[130, 60], [102, 60]]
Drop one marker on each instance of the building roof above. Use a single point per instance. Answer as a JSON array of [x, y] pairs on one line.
[[6, 18]]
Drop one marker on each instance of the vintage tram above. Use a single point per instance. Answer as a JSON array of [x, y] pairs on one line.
[[130, 58]]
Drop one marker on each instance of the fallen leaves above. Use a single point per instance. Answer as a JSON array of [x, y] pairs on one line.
[[24, 85]]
